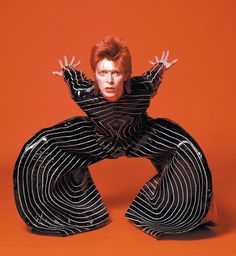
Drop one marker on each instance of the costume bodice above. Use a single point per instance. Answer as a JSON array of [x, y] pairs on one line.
[[121, 119]]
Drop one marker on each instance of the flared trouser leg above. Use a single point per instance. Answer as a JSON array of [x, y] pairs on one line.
[[54, 191], [178, 198]]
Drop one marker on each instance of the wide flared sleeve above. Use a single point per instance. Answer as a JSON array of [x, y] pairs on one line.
[[150, 80], [80, 86]]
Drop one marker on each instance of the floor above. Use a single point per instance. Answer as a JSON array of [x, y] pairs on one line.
[[198, 93], [119, 237]]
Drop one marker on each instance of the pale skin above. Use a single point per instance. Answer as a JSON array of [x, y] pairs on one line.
[[110, 77]]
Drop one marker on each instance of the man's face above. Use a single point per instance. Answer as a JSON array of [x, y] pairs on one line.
[[110, 79]]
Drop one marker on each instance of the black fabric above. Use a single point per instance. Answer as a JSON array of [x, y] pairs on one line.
[[55, 193]]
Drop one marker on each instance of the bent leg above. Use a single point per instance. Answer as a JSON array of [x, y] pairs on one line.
[[54, 191], [178, 198]]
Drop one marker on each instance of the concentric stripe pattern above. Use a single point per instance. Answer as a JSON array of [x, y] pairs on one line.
[[54, 191], [177, 199], [121, 119]]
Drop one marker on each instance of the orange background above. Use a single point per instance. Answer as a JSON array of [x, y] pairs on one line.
[[198, 93]]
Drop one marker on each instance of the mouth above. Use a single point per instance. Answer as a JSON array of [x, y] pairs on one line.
[[110, 89]]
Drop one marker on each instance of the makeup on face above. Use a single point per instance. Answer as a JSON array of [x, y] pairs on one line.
[[110, 79]]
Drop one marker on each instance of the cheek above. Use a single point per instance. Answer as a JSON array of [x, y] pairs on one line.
[[120, 81], [100, 82], [97, 77]]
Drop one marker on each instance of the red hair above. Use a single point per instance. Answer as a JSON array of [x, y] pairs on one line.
[[113, 49]]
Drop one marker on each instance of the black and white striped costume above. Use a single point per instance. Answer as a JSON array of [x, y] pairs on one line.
[[55, 193]]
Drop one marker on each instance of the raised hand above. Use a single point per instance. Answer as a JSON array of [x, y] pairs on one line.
[[164, 60], [62, 65]]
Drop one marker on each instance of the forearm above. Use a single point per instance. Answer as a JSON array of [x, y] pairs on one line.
[[79, 85], [150, 80], [154, 76]]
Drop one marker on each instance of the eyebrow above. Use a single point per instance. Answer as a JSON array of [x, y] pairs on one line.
[[109, 70]]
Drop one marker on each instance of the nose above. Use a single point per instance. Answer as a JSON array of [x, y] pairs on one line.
[[109, 78]]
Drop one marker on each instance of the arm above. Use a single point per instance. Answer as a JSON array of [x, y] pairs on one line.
[[80, 86], [151, 79]]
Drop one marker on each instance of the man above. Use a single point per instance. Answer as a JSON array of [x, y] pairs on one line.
[[53, 188]]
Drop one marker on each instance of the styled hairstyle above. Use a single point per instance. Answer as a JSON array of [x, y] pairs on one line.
[[113, 49]]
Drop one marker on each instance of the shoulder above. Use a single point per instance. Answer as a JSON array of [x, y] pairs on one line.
[[138, 84]]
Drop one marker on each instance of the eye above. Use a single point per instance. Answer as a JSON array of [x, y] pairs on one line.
[[102, 73], [116, 73]]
